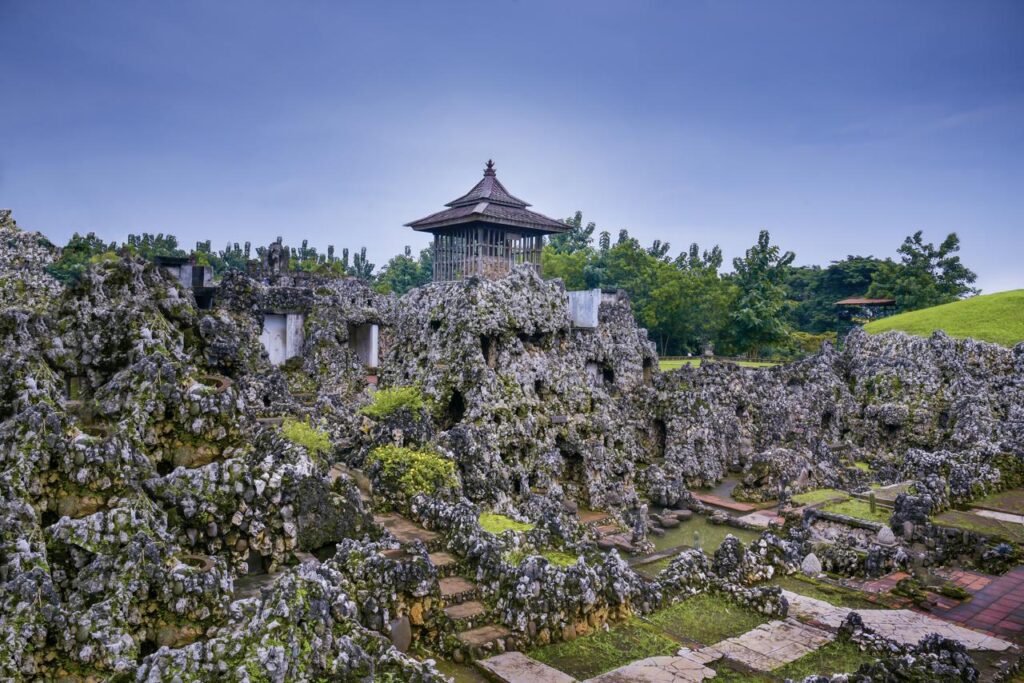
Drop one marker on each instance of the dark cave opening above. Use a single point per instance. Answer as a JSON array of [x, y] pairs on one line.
[[648, 371], [489, 347], [826, 419], [456, 409], [48, 517], [164, 467], [659, 438], [608, 374]]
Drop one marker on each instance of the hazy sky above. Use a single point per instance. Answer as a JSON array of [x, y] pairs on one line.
[[840, 127]]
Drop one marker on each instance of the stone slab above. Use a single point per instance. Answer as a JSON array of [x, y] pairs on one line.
[[483, 634], [717, 501], [657, 670], [404, 530], [774, 644], [465, 610], [901, 625], [455, 585], [515, 667]]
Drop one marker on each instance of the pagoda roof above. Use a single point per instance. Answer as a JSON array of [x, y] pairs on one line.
[[863, 301], [489, 202]]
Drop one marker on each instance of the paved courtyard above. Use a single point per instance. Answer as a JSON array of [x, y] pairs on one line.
[[997, 606]]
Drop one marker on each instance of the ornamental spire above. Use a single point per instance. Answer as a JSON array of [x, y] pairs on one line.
[[489, 171]]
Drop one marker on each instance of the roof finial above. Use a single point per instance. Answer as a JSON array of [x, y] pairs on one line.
[[490, 168]]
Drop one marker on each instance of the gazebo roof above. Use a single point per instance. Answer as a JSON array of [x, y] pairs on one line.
[[489, 202], [863, 301]]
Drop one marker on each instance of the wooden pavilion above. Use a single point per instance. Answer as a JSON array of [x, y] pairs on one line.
[[486, 232]]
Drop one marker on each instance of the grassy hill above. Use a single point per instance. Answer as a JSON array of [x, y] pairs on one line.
[[996, 318]]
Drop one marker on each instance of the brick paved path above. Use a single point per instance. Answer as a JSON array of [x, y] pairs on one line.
[[998, 607]]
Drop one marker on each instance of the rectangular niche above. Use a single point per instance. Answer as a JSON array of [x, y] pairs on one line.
[[584, 307], [283, 335], [364, 341]]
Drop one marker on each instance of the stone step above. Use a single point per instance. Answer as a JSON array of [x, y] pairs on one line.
[[607, 530], [446, 564], [515, 667], [406, 531], [483, 639], [456, 590], [271, 421], [466, 615]]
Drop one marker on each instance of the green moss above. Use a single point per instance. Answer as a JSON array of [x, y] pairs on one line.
[[834, 658], [862, 466], [316, 441], [834, 595], [860, 509], [387, 401], [555, 557], [724, 673], [497, 524], [594, 654], [986, 526], [819, 496], [409, 472], [706, 619]]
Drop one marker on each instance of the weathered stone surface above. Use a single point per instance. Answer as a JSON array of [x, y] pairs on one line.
[[657, 670], [515, 667], [811, 565]]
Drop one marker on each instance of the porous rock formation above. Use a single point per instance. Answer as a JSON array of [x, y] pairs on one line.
[[144, 482]]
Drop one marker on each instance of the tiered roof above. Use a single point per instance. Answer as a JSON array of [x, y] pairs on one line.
[[489, 202]]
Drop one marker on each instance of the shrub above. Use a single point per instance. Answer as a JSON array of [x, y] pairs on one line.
[[315, 440], [409, 472], [387, 401]]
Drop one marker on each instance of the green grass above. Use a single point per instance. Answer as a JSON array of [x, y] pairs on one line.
[[497, 524], [861, 509], [834, 595], [995, 318], [1007, 531], [819, 496], [1011, 501], [834, 658], [555, 557], [594, 654], [695, 362], [726, 674], [706, 619]]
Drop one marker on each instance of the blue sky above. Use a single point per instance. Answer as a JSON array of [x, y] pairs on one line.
[[840, 127]]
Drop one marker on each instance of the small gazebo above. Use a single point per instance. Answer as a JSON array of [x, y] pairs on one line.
[[486, 232]]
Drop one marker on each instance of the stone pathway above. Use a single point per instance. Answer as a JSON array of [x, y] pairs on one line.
[[404, 530], [902, 625], [657, 670], [774, 644], [997, 606], [515, 667], [763, 518], [733, 505]]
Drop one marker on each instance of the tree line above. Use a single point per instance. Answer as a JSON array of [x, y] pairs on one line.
[[764, 307]]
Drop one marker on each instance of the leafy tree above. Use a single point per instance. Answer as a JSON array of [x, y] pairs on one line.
[[150, 246], [403, 273], [814, 290], [759, 314], [577, 239], [361, 267], [926, 276], [76, 256]]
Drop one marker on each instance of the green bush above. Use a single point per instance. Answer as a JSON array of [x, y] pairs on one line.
[[304, 434], [387, 401], [409, 472]]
